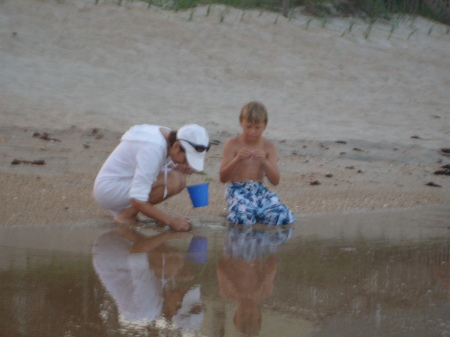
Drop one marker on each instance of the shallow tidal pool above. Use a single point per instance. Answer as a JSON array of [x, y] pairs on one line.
[[384, 273]]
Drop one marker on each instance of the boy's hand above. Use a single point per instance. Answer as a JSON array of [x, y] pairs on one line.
[[245, 153], [260, 156]]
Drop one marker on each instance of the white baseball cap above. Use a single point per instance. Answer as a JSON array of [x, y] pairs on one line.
[[194, 141], [191, 313]]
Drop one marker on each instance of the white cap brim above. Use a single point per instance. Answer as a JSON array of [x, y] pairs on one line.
[[196, 160], [184, 318]]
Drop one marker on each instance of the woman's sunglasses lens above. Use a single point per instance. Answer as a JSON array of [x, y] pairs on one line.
[[198, 148], [201, 148]]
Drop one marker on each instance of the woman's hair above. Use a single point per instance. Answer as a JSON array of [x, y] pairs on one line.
[[254, 112], [172, 137]]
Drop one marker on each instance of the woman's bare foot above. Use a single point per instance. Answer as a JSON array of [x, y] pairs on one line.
[[127, 217], [124, 222]]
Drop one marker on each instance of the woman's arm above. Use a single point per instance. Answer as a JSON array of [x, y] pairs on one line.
[[148, 244], [151, 211]]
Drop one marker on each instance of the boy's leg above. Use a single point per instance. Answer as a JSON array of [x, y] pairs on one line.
[[278, 214], [241, 208], [240, 212], [273, 212]]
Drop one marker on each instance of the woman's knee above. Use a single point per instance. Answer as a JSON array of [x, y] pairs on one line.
[[176, 181]]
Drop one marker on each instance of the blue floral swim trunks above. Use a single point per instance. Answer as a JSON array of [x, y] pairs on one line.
[[251, 202]]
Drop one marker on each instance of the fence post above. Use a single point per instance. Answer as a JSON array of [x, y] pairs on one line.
[[286, 8]]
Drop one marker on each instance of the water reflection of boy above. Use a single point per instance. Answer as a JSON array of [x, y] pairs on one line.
[[138, 281], [245, 276]]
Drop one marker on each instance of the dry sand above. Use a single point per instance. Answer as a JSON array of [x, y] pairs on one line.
[[85, 73]]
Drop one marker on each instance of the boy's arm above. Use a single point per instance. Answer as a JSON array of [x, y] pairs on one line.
[[270, 165], [230, 162]]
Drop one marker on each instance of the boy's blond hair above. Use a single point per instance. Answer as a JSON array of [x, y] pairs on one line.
[[254, 112]]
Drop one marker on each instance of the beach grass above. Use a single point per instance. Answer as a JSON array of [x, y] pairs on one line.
[[368, 29], [350, 27], [383, 9]]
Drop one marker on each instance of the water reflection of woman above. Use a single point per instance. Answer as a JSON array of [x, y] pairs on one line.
[[141, 272], [246, 272]]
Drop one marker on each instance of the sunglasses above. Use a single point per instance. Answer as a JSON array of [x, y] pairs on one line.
[[198, 148]]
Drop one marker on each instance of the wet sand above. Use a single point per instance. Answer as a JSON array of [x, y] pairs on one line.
[[317, 177]]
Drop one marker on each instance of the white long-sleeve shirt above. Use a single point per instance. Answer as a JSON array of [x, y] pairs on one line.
[[132, 168]]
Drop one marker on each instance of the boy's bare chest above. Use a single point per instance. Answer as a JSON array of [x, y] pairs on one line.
[[250, 169]]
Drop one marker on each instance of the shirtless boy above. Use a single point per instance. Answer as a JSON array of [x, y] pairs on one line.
[[247, 159]]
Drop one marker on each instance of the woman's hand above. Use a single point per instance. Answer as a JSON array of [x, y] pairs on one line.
[[148, 209], [180, 224]]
